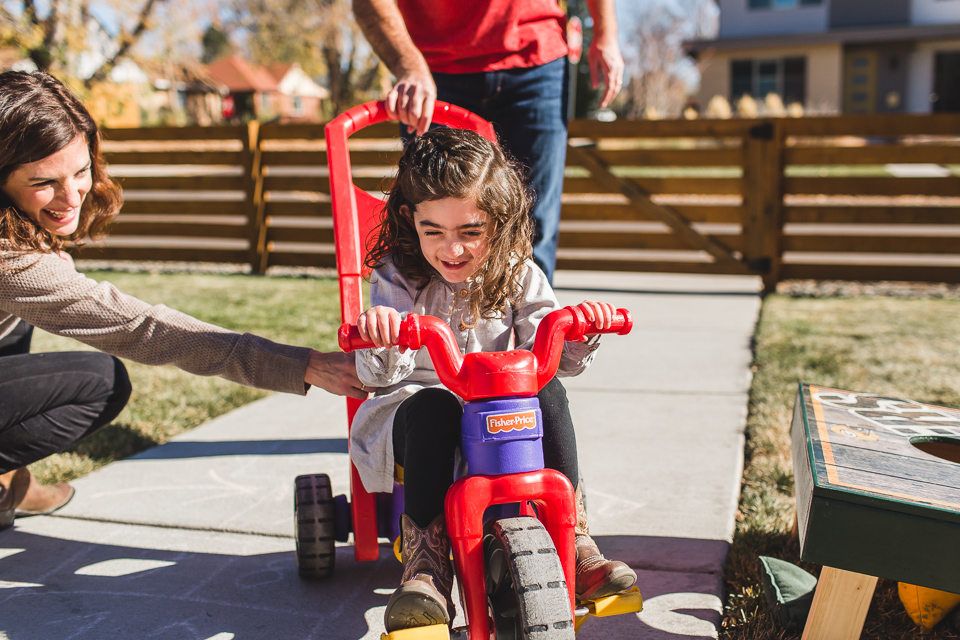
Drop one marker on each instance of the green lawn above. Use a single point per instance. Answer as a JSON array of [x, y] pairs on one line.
[[167, 401], [894, 346]]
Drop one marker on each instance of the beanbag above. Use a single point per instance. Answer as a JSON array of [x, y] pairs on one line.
[[925, 606], [788, 590]]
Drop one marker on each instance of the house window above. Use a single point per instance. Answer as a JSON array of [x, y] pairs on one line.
[[786, 77], [781, 4], [297, 106]]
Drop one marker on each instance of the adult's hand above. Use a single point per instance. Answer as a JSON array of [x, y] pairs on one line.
[[606, 65], [336, 372], [412, 99]]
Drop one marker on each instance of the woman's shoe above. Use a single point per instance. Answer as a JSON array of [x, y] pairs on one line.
[[40, 500], [423, 597], [13, 486]]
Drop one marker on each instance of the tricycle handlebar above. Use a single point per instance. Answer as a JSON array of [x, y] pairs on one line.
[[518, 375]]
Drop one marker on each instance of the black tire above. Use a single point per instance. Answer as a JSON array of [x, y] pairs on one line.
[[526, 588], [315, 518]]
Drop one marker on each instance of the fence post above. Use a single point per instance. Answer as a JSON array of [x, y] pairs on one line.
[[254, 200], [763, 200]]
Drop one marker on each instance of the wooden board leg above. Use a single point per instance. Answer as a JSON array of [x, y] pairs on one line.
[[839, 606]]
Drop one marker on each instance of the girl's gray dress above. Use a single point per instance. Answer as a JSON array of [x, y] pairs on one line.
[[398, 376]]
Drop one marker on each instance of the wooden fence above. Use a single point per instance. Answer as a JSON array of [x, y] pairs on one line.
[[862, 198]]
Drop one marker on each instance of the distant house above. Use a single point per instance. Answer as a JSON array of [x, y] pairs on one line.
[[11, 60], [300, 97], [836, 56], [183, 93], [282, 92]]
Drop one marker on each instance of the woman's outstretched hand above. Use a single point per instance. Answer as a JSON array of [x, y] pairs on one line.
[[336, 372]]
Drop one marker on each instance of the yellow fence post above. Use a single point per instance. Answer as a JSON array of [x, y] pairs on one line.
[[763, 200]]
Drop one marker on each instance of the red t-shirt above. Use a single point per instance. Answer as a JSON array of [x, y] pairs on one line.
[[468, 36]]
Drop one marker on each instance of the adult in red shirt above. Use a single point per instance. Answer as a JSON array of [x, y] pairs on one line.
[[504, 60]]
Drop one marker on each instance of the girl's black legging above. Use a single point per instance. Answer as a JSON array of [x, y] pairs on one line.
[[426, 434], [48, 401]]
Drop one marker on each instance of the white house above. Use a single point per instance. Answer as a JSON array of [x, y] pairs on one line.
[[836, 56]]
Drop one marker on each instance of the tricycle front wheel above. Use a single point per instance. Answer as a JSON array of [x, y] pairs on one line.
[[526, 588]]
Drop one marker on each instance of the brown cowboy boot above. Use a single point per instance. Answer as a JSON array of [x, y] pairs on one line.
[[13, 486], [423, 597], [596, 576], [40, 500]]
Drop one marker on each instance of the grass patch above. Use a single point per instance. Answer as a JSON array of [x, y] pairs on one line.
[[167, 401], [893, 346]]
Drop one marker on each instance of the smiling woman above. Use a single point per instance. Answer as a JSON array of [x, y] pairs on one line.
[[54, 187]]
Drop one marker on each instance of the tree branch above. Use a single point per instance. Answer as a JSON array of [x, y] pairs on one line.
[[126, 43]]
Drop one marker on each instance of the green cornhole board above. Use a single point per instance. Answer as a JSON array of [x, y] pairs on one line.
[[878, 495]]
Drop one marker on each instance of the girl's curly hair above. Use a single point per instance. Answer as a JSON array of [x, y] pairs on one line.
[[38, 117], [462, 164]]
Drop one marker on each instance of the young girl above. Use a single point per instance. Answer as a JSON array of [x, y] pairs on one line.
[[455, 243]]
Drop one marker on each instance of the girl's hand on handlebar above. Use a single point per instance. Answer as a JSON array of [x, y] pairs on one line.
[[381, 326], [599, 313]]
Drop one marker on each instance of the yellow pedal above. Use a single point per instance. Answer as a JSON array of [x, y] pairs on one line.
[[431, 632], [626, 602]]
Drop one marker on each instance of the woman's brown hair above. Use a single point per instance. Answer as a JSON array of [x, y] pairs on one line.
[[457, 163], [38, 117]]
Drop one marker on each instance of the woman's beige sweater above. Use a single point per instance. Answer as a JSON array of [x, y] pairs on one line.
[[46, 291]]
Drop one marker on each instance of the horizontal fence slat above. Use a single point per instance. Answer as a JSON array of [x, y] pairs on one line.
[[693, 213], [869, 272], [872, 244], [300, 234], [875, 125], [653, 266], [318, 209], [321, 185], [873, 186], [222, 132], [289, 259], [635, 240], [163, 254], [660, 128], [272, 158], [872, 215], [276, 131], [175, 157], [668, 157], [122, 228], [183, 183], [180, 207], [873, 154], [706, 186]]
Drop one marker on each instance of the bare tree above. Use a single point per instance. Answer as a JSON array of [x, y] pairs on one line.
[[322, 36], [55, 34], [656, 63]]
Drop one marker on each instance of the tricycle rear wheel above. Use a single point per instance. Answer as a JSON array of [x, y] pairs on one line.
[[315, 519], [526, 589]]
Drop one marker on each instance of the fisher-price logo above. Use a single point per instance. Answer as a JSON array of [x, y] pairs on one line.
[[504, 422]]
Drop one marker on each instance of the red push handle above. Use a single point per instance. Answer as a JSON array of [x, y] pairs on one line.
[[444, 113]]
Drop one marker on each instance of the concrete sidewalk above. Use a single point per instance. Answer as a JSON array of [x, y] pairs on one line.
[[194, 539]]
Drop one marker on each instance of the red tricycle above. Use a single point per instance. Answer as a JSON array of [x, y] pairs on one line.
[[511, 522]]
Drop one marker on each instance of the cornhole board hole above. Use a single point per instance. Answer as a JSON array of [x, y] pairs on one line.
[[878, 495]]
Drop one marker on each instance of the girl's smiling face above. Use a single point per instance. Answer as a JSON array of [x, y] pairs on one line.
[[52, 190], [454, 237]]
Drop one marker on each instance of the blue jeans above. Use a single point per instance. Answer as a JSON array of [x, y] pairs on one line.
[[528, 109]]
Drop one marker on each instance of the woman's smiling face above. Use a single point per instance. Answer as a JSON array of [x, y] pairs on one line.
[[51, 191], [454, 237]]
